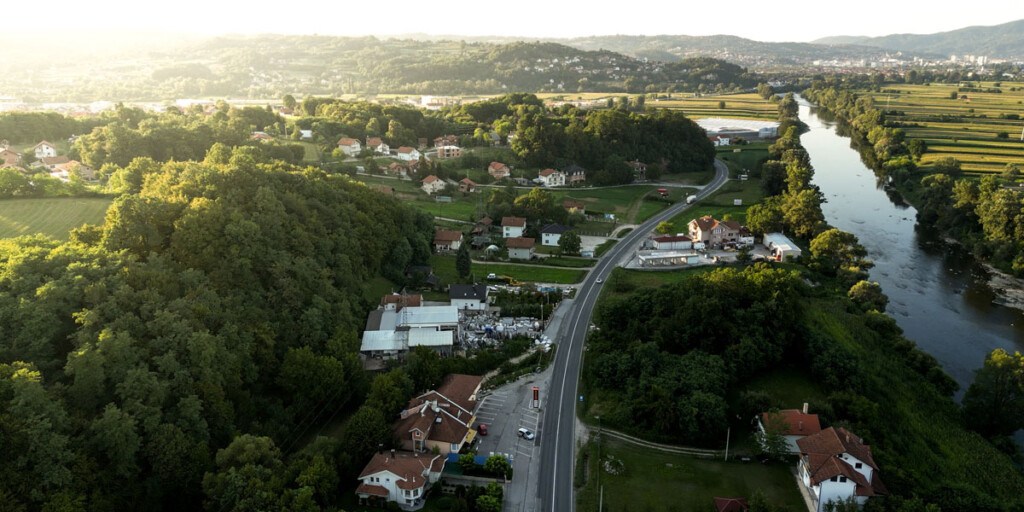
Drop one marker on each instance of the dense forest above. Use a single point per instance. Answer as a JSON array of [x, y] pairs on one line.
[[218, 306]]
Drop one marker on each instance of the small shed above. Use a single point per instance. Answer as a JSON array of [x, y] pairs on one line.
[[781, 247]]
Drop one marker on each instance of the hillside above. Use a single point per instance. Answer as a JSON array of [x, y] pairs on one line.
[[269, 66], [1000, 41]]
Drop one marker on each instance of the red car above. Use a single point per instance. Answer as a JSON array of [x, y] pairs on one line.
[[482, 429]]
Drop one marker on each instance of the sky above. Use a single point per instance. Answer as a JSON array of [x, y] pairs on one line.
[[795, 20]]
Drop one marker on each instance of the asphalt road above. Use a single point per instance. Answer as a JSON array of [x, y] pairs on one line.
[[557, 438]]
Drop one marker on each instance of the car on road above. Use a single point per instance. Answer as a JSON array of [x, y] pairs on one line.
[[599, 280], [482, 429], [526, 433]]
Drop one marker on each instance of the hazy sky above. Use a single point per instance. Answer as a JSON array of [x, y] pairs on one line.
[[796, 20]]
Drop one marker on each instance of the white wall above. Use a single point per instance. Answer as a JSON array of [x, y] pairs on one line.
[[520, 254], [835, 491], [511, 231], [470, 304], [550, 239]]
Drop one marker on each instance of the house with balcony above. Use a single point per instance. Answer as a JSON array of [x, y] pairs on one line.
[[440, 419], [407, 153], [349, 146], [378, 146], [401, 477], [835, 465], [715, 232], [498, 171], [552, 178]]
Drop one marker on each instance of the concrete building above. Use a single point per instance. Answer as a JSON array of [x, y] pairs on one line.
[[512, 227], [471, 297], [743, 128], [781, 247], [676, 242]]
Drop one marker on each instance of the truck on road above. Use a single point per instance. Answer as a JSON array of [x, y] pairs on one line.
[[690, 199]]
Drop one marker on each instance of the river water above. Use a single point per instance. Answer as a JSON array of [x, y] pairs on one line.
[[937, 293]]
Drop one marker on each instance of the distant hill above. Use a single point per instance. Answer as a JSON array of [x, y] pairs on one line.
[[1001, 41]]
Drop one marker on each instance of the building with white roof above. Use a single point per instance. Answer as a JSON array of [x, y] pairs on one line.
[[390, 333], [781, 247], [743, 128]]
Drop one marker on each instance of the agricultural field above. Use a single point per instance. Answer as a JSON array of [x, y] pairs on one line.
[[980, 129], [444, 267], [739, 106], [53, 217]]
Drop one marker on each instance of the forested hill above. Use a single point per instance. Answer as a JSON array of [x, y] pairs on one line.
[[220, 302], [270, 66], [1001, 41]]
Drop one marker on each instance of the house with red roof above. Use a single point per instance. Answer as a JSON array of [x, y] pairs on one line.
[[432, 184], [8, 157], [377, 145], [512, 227], [447, 240], [792, 424], [521, 248], [552, 178], [407, 153], [715, 232], [401, 477], [678, 242], [440, 418], [498, 171], [835, 465], [349, 146], [731, 505]]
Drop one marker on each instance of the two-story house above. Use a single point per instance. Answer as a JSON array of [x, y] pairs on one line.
[[440, 418], [498, 170], [432, 184], [552, 178], [44, 149], [714, 232], [551, 234], [447, 240], [575, 175], [520, 248], [445, 152], [377, 145], [408, 153], [835, 465], [349, 146], [792, 424], [401, 477], [8, 157], [471, 297], [512, 227]]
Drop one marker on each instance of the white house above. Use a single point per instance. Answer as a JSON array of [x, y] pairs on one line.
[[672, 242], [377, 145], [792, 424], [349, 146], [520, 248], [471, 297], [401, 477], [45, 149], [720, 140], [835, 465], [408, 153], [551, 234], [781, 247], [447, 240], [512, 227], [432, 184], [552, 178]]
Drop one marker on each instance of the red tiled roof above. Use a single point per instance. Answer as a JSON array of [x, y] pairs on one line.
[[347, 141], [731, 505], [54, 160], [406, 149], [486, 221], [447, 235], [705, 223], [430, 179], [797, 423], [667, 239], [520, 242], [573, 204], [402, 464], [834, 441], [496, 166], [513, 222], [461, 389], [372, 490], [402, 300], [373, 141], [468, 181], [547, 172]]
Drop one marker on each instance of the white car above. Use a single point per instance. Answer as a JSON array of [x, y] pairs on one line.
[[599, 280], [526, 433]]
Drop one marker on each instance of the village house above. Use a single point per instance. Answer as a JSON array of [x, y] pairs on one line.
[[261, 136], [780, 247], [793, 425], [552, 178], [471, 297], [575, 175], [445, 152], [498, 170], [720, 140], [50, 163], [407, 153], [483, 226], [8, 157], [551, 234], [440, 419], [67, 169], [639, 170], [446, 140], [835, 465], [467, 185], [401, 477], [397, 169], [520, 248], [432, 184], [512, 227], [447, 240], [44, 149], [714, 232], [349, 146], [378, 146], [573, 206]]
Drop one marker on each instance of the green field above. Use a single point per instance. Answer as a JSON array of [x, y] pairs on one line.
[[721, 204], [54, 217], [444, 267], [739, 106], [664, 482], [966, 128], [743, 158]]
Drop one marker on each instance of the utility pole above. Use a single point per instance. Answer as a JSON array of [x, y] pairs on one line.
[[728, 431]]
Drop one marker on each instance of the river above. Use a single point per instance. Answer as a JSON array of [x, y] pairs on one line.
[[937, 293]]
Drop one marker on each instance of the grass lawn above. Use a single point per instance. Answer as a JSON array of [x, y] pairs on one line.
[[604, 247], [444, 267], [312, 152], [661, 482], [378, 287], [54, 217], [749, 156]]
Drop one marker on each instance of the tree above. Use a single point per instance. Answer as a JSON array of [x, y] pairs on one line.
[[772, 442], [665, 227], [289, 101], [365, 433], [744, 256], [868, 295], [947, 165], [766, 216], [498, 465], [569, 243], [994, 404], [245, 479], [463, 262], [801, 211], [836, 252], [721, 105]]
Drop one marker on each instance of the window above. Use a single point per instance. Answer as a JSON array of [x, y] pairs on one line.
[[858, 465], [834, 479], [842, 479]]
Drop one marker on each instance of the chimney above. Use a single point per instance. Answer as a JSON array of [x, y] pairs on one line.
[[800, 426], [805, 407], [392, 453]]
